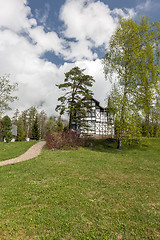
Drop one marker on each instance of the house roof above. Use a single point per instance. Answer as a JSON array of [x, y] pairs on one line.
[[97, 102]]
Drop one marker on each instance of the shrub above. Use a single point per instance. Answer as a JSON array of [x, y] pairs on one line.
[[6, 128], [64, 140]]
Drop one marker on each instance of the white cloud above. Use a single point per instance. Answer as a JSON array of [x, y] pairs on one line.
[[20, 56], [91, 23], [80, 50], [36, 78], [15, 15], [87, 21], [126, 13], [101, 87], [46, 41], [23, 42]]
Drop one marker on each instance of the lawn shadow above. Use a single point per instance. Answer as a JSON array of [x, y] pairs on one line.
[[109, 145], [102, 145]]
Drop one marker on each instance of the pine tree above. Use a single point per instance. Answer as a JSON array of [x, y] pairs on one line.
[[35, 130], [76, 86]]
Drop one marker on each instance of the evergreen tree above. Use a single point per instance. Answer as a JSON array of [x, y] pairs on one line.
[[76, 86], [31, 117], [35, 129], [6, 128]]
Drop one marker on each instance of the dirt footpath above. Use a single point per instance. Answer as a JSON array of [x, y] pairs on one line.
[[32, 152]]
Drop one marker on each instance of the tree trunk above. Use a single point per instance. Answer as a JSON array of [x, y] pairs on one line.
[[119, 145], [122, 122], [70, 121], [71, 111], [148, 125]]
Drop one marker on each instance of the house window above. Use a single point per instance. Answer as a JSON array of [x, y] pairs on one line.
[[91, 114], [88, 114]]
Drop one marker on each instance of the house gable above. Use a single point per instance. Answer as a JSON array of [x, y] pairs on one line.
[[98, 120]]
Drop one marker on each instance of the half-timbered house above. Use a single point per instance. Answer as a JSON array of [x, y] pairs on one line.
[[98, 120]]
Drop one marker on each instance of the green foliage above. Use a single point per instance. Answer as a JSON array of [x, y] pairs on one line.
[[8, 136], [53, 125], [25, 121], [16, 116], [148, 70], [66, 128], [6, 128], [21, 135], [32, 115], [59, 124], [26, 124], [35, 125], [50, 126], [6, 89], [35, 129], [76, 86], [133, 59]]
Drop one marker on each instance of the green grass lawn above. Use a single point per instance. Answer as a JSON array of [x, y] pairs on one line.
[[90, 193], [12, 150]]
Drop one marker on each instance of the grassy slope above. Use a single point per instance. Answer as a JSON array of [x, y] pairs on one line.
[[98, 193], [12, 150]]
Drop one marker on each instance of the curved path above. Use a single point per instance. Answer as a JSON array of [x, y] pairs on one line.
[[32, 152]]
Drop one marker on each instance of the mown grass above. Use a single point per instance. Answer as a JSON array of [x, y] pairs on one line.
[[12, 150], [91, 193]]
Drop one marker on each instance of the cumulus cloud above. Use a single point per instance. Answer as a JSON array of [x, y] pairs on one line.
[[35, 77], [87, 25], [46, 41], [15, 15], [22, 44], [101, 87], [91, 23], [87, 20]]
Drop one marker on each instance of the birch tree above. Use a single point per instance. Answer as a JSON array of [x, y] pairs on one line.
[[132, 58], [6, 90]]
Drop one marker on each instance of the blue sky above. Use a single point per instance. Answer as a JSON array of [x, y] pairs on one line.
[[40, 40]]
